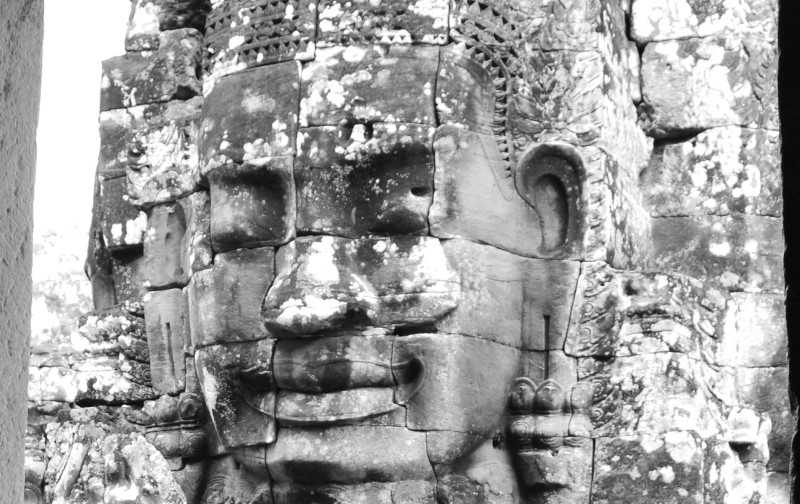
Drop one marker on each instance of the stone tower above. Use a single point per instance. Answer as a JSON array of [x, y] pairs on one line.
[[433, 251]]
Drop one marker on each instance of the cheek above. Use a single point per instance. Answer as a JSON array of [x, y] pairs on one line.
[[463, 385]]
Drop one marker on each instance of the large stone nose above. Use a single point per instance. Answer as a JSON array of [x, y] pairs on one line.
[[329, 283]]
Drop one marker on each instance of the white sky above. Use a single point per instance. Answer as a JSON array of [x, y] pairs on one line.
[[78, 35]]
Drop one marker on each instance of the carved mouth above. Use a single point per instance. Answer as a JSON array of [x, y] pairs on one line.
[[354, 404], [346, 406]]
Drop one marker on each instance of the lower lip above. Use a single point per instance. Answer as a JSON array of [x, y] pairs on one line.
[[343, 407]]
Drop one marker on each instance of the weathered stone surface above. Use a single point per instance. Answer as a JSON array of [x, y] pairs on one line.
[[167, 74], [754, 331], [177, 241], [531, 298], [225, 300], [765, 390], [391, 22], [229, 482], [346, 455], [128, 276], [560, 477], [654, 20], [720, 171], [106, 362], [542, 25], [362, 85], [167, 316], [739, 252], [630, 313], [334, 363], [148, 17], [562, 99], [440, 395], [543, 202], [122, 224], [695, 84], [162, 158], [327, 282], [368, 179], [665, 469], [198, 231], [247, 121], [237, 385], [474, 190], [253, 206], [165, 247], [778, 489], [95, 461], [730, 477], [411, 492], [246, 33], [541, 365], [656, 393]]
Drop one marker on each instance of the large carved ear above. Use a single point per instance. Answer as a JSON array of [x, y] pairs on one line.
[[548, 178]]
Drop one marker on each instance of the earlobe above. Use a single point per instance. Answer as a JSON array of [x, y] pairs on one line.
[[548, 179]]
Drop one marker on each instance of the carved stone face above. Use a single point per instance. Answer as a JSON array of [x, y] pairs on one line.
[[355, 329]]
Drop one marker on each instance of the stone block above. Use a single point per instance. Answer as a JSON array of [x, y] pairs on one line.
[[165, 247], [238, 389], [143, 30], [198, 231], [334, 363], [730, 477], [148, 17], [656, 20], [778, 489], [375, 179], [754, 331], [253, 206], [558, 202], [442, 395], [169, 73], [162, 159], [656, 393], [739, 252], [167, 317], [122, 224], [128, 276], [360, 406], [719, 171], [410, 492], [621, 313], [531, 298], [696, 84], [667, 469], [225, 300], [392, 22], [246, 33], [577, 25], [250, 118], [328, 282], [766, 391], [367, 84], [553, 364], [475, 197], [561, 99], [84, 461], [348, 455]]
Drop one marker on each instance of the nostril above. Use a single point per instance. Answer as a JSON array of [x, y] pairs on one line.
[[420, 191]]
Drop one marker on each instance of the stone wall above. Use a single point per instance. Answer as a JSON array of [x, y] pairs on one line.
[[20, 75]]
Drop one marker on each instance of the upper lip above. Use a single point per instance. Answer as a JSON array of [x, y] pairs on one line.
[[341, 379]]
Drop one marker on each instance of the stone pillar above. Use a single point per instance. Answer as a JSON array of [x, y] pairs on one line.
[[20, 75]]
